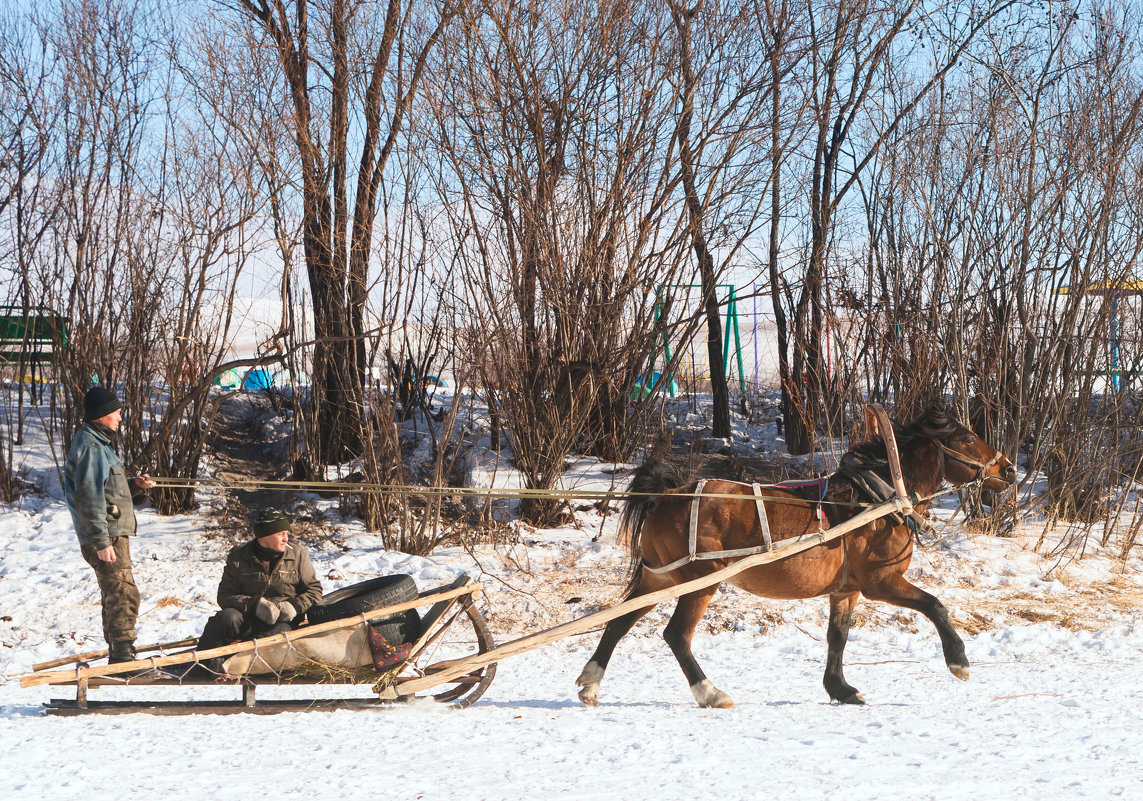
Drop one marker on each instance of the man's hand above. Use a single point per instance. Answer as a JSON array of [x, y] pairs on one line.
[[266, 612], [107, 554], [144, 482], [286, 611]]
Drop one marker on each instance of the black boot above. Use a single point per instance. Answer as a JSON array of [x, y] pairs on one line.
[[121, 652]]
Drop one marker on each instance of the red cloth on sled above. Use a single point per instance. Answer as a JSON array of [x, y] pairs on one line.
[[385, 655]]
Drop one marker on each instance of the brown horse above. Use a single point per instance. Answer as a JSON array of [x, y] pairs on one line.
[[869, 561]]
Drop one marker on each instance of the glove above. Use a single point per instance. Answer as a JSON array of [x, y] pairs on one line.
[[266, 612], [286, 611]]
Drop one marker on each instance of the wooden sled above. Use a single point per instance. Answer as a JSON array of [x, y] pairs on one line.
[[451, 628]]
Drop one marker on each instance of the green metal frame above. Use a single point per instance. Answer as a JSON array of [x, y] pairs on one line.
[[29, 336], [731, 325]]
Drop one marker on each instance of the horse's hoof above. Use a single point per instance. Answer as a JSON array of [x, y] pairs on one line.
[[710, 697], [960, 671], [589, 680], [590, 695]]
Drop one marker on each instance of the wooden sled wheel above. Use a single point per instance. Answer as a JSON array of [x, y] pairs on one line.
[[460, 632]]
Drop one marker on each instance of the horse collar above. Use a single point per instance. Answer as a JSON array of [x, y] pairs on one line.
[[863, 475]]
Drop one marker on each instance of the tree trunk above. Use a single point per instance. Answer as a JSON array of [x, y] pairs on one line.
[[719, 391]]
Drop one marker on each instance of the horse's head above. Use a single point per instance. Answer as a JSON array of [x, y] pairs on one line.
[[964, 456]]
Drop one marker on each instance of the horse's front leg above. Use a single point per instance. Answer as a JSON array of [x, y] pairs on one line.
[[895, 589], [841, 606], [678, 635], [592, 674]]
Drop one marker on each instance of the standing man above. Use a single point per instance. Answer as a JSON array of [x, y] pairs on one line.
[[102, 502], [266, 587]]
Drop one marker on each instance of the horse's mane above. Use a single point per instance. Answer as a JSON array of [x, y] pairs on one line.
[[934, 422]]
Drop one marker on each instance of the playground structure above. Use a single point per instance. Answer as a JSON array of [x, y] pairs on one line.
[[749, 339], [692, 368], [1114, 291]]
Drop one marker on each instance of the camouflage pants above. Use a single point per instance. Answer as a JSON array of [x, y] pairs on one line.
[[117, 588]]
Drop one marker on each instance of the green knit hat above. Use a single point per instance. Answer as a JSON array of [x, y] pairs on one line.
[[269, 521]]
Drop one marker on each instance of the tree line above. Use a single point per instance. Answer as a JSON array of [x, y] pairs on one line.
[[940, 199]]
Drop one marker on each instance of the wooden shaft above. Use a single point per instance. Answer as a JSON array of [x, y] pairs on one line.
[[877, 420], [454, 668], [62, 676], [69, 660], [429, 636]]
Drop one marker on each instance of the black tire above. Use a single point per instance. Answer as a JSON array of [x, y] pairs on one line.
[[366, 596], [401, 628]]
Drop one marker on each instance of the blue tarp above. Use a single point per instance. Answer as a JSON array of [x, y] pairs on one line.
[[257, 379]]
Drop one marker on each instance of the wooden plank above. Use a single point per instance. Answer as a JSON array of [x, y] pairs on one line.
[[262, 679], [61, 676], [71, 660], [442, 672]]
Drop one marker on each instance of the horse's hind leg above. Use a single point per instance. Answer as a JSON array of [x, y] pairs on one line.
[[592, 673], [895, 589], [678, 635], [841, 606]]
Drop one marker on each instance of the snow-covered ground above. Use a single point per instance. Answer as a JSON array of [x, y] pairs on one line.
[[1054, 708]]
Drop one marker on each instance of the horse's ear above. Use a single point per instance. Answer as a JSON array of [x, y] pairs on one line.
[[936, 417]]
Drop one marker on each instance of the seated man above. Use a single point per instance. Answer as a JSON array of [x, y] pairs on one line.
[[266, 588]]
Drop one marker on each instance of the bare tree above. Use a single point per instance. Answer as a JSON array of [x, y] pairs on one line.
[[140, 232], [564, 213], [855, 47], [730, 76], [344, 70], [27, 116]]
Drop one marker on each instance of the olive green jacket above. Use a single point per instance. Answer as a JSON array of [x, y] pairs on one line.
[[245, 579]]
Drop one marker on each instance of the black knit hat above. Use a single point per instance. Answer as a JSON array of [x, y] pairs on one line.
[[99, 402], [269, 521]]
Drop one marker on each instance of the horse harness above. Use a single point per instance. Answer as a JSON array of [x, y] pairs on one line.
[[763, 521], [862, 473], [944, 450]]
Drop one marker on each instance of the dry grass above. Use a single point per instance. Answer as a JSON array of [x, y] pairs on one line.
[[323, 673]]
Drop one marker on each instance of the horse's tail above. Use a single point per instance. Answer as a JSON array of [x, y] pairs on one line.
[[649, 481]]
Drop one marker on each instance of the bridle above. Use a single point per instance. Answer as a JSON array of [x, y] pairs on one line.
[[957, 456]]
